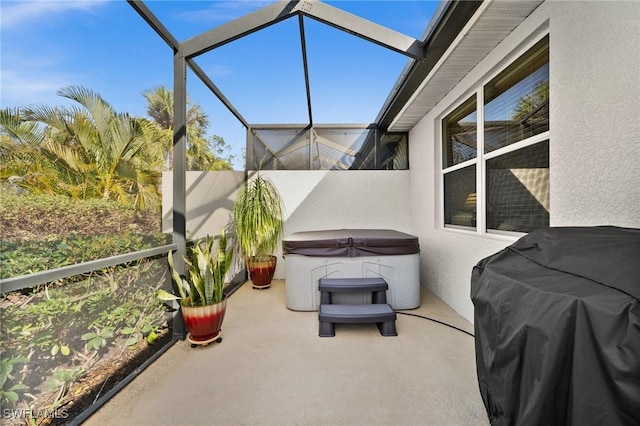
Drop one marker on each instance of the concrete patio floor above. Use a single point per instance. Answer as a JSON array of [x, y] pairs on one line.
[[273, 369]]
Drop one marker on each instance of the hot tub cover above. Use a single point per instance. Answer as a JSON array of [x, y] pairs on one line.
[[557, 328], [351, 243]]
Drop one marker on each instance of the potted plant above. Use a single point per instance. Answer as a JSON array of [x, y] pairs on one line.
[[257, 222], [201, 291]]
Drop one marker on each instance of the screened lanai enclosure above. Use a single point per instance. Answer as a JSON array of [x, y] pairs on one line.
[[325, 147], [74, 337], [104, 313], [311, 146], [292, 146]]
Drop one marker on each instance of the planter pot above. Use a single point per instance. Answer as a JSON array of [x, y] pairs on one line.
[[204, 322], [261, 271]]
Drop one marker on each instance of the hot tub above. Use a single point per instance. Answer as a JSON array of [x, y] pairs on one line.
[[351, 253]]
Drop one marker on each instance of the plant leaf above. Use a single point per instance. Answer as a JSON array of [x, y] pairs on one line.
[[19, 386], [165, 295], [88, 336], [11, 396]]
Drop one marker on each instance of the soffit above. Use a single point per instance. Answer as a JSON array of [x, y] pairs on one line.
[[492, 25]]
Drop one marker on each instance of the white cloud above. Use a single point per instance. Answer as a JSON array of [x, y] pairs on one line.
[[224, 11], [22, 89], [18, 13]]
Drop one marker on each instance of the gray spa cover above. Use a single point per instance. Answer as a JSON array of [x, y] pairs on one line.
[[350, 243], [557, 328]]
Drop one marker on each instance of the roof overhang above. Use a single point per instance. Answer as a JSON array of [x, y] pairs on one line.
[[462, 35]]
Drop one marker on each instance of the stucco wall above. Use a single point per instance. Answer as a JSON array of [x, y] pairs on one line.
[[210, 197], [595, 114], [594, 149], [315, 200]]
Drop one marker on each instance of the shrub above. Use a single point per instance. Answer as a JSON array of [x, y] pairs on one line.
[[39, 232]]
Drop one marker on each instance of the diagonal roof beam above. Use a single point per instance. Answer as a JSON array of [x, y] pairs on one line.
[[294, 143], [305, 65], [298, 143], [266, 148], [239, 28], [313, 9], [164, 33], [154, 23], [362, 28], [331, 144], [216, 91]]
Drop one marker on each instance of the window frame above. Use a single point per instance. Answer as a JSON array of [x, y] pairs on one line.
[[480, 161]]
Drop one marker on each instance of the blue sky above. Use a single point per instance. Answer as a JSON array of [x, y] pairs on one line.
[[107, 47]]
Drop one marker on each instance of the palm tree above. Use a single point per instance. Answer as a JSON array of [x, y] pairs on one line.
[[200, 155], [532, 105], [32, 160], [88, 150]]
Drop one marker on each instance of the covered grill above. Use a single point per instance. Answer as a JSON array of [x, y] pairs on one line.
[[557, 326]]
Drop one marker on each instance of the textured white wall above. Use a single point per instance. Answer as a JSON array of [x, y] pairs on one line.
[[210, 197], [446, 257], [594, 148], [316, 200], [313, 200], [595, 113]]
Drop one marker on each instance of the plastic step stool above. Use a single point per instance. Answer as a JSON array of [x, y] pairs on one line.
[[381, 314], [377, 286]]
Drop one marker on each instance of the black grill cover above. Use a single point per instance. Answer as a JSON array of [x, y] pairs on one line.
[[557, 326]]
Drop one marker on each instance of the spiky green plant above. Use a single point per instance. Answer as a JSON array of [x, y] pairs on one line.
[[206, 270], [257, 218]]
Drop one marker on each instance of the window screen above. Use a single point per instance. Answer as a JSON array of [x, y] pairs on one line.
[[518, 189], [517, 100], [460, 197], [326, 147], [460, 136]]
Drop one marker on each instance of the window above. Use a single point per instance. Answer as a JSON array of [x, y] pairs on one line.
[[495, 150], [460, 134], [460, 197]]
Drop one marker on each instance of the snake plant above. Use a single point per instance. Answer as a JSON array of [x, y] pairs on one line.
[[206, 270]]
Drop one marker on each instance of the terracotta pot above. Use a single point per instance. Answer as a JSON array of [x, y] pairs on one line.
[[204, 322], [261, 271]]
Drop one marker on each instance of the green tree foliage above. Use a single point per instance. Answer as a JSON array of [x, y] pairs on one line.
[[534, 105], [89, 150], [83, 151], [202, 153]]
